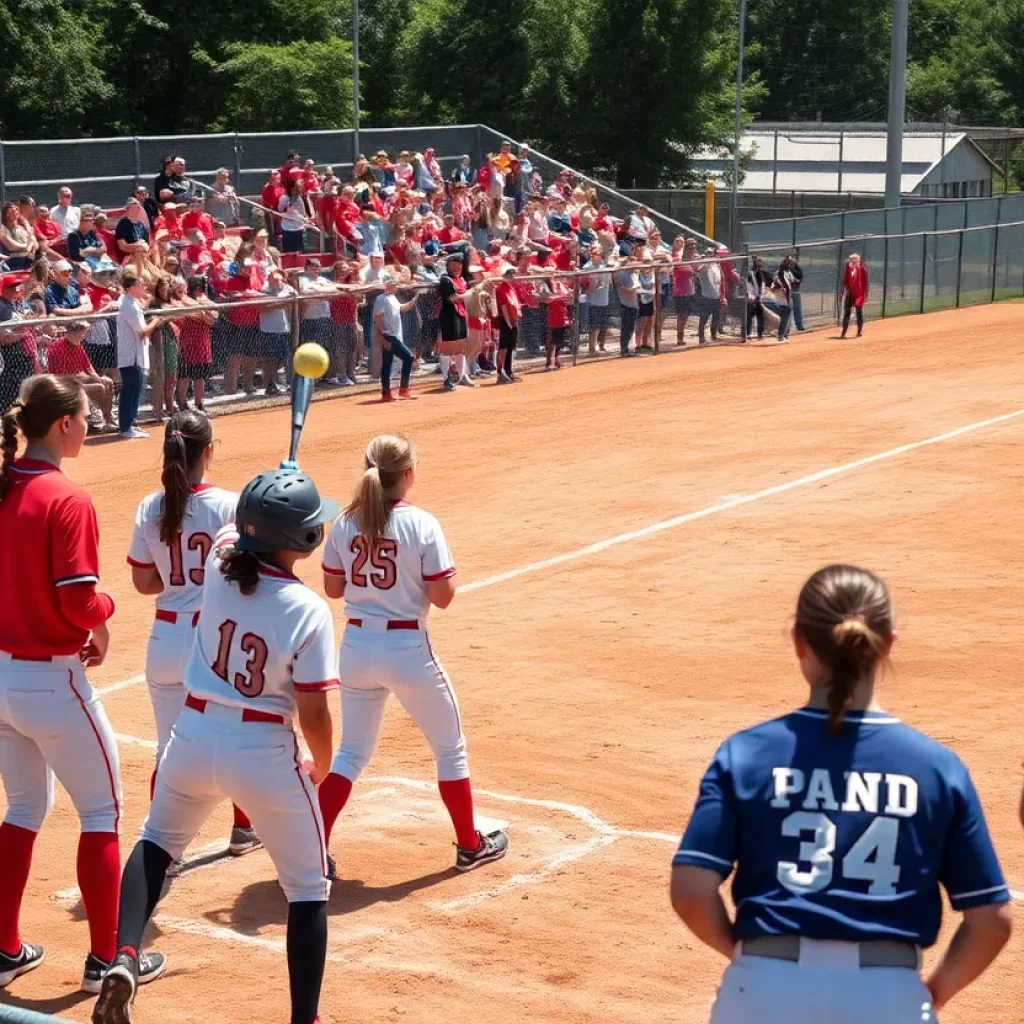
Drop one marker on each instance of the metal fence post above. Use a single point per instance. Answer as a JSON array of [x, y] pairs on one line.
[[138, 162], [657, 312], [576, 320], [924, 266], [296, 340], [885, 275], [237, 147], [995, 261], [3, 175], [839, 280], [959, 268]]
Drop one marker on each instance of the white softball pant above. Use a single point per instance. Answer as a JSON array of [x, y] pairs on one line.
[[827, 986], [214, 756], [373, 664], [51, 723], [170, 644]]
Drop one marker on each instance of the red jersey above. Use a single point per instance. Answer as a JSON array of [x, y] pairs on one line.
[[46, 230], [65, 358], [448, 235], [200, 257], [507, 296], [270, 196], [343, 309], [49, 539], [240, 287], [527, 293], [194, 341], [310, 182], [199, 219], [169, 224], [855, 283], [558, 308]]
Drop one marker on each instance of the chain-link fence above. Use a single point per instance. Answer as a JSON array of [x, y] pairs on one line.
[[225, 356], [909, 273]]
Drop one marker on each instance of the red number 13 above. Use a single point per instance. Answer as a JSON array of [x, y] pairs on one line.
[[249, 683]]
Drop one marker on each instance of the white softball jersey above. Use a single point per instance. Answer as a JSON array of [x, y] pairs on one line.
[[388, 579], [255, 652], [182, 563]]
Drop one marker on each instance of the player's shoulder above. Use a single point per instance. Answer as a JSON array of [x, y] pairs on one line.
[[211, 496], [414, 515], [151, 507]]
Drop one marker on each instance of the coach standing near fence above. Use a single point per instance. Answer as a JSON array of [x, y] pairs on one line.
[[854, 293]]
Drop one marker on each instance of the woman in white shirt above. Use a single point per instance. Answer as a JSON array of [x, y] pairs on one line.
[[293, 217]]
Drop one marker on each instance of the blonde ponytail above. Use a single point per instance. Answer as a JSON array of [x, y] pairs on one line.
[[387, 459]]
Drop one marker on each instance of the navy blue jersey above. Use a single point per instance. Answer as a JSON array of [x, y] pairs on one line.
[[842, 837]]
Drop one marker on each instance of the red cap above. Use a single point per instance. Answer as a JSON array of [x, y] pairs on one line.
[[11, 281]]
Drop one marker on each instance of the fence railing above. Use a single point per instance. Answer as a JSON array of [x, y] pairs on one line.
[[907, 219], [911, 273]]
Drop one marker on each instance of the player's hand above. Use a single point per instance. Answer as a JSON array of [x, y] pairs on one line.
[[316, 774], [94, 653]]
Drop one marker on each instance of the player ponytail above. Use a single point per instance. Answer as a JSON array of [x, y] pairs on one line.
[[388, 458], [44, 400], [241, 568], [845, 616], [187, 436]]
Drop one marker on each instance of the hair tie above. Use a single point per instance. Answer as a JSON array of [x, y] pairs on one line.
[[177, 433]]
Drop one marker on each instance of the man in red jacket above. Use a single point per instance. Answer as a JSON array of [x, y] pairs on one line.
[[853, 292]]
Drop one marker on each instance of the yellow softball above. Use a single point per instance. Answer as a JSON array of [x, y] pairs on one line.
[[310, 360]]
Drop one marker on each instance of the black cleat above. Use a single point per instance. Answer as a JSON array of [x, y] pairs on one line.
[[493, 846]]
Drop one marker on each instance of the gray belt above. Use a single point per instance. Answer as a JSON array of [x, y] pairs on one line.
[[877, 953]]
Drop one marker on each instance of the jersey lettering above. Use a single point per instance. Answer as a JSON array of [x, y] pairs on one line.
[[382, 556], [872, 858], [860, 791], [249, 683], [200, 542]]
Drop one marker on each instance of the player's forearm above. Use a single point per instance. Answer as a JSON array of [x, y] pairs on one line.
[[83, 606], [696, 899], [317, 729], [981, 936]]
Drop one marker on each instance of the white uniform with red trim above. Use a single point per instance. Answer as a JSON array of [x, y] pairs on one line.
[[182, 567], [234, 738], [385, 648]]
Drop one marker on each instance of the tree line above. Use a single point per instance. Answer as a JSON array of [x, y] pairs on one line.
[[629, 89]]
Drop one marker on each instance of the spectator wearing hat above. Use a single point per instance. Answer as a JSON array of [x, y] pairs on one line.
[[64, 215], [452, 319], [18, 243], [387, 320], [62, 296], [17, 345], [132, 231], [67, 357]]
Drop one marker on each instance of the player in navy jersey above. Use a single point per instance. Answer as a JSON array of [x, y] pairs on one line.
[[841, 823]]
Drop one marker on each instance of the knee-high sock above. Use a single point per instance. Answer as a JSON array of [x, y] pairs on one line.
[[333, 794], [463, 367], [457, 795], [99, 874], [508, 362], [241, 818], [307, 954], [446, 362], [141, 884], [15, 862]]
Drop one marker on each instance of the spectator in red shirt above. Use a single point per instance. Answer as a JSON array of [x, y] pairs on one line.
[[197, 217], [557, 299], [509, 311], [198, 253], [853, 292], [311, 181], [270, 196], [195, 346], [107, 237], [168, 224], [450, 233], [67, 357], [47, 231], [343, 334], [291, 169]]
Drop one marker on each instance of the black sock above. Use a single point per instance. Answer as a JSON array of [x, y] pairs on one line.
[[508, 362], [141, 884], [307, 954]]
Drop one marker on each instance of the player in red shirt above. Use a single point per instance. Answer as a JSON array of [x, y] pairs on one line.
[[509, 311], [557, 300], [853, 292], [54, 626]]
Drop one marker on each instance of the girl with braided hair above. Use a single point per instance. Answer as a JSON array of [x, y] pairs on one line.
[[54, 628], [175, 528]]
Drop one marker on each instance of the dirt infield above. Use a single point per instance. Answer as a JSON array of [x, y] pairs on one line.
[[595, 689]]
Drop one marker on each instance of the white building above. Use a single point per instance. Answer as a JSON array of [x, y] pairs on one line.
[[834, 158]]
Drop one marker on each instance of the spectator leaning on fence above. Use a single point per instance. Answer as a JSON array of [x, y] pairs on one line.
[[387, 320], [132, 353]]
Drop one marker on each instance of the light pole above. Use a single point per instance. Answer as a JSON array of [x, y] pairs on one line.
[[897, 104], [734, 201], [355, 80]]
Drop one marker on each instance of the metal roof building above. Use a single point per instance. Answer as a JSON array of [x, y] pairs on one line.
[[841, 158]]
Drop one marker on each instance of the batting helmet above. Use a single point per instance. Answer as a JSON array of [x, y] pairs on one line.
[[281, 510]]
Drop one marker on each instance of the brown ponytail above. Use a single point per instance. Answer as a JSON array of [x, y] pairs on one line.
[[241, 568], [43, 400], [187, 435], [387, 458], [845, 616]]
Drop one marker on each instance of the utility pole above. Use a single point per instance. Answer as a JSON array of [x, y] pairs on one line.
[[355, 80], [897, 103], [734, 202]]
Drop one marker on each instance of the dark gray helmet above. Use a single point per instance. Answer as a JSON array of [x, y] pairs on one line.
[[281, 510]]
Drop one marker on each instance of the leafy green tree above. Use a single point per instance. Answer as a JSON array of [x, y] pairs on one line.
[[657, 85], [381, 24], [52, 83]]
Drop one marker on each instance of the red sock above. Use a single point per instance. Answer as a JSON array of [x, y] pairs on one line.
[[152, 785], [334, 793], [457, 795], [99, 878], [15, 862], [241, 818]]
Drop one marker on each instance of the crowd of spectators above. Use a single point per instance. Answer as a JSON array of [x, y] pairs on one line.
[[397, 261]]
